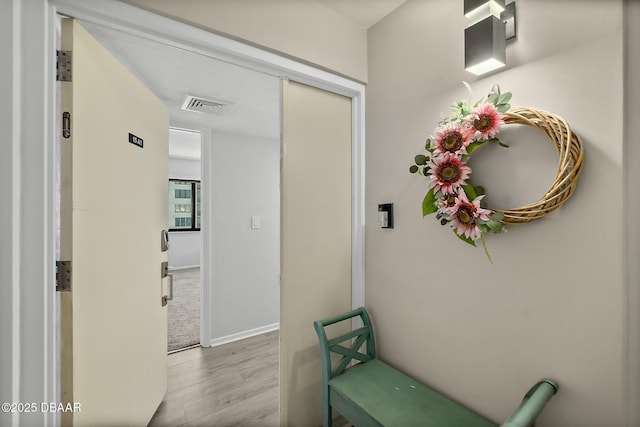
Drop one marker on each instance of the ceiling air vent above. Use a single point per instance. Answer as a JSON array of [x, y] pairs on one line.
[[202, 105]]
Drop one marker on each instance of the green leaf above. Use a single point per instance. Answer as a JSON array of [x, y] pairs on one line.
[[475, 144], [479, 190], [503, 108], [464, 238], [493, 98], [413, 169], [421, 159], [497, 216], [428, 144], [470, 192], [497, 141], [495, 226], [504, 98], [429, 204]]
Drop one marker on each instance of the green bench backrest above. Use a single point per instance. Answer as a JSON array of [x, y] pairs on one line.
[[356, 345]]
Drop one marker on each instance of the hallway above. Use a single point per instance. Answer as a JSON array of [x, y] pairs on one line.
[[235, 384]]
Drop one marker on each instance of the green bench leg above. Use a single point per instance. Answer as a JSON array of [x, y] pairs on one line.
[[326, 414]]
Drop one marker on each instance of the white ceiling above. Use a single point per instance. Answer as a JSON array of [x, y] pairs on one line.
[[173, 73], [363, 12]]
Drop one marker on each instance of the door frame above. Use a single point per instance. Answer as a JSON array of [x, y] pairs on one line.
[[29, 303], [127, 18]]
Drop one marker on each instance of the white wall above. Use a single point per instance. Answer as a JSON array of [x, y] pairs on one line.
[[245, 285], [554, 303], [184, 248]]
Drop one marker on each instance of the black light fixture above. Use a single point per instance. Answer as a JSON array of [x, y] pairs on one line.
[[490, 24]]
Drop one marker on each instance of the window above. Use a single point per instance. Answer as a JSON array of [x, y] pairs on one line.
[[183, 193], [184, 208], [183, 222]]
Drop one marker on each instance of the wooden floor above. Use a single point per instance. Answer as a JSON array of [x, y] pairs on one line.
[[234, 384]]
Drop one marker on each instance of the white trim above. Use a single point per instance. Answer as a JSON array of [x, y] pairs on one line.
[[357, 204], [31, 184], [244, 334], [28, 295], [206, 240], [124, 17]]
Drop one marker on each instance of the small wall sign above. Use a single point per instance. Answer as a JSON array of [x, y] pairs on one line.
[[136, 140]]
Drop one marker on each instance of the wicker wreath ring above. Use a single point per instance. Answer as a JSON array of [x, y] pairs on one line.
[[570, 156]]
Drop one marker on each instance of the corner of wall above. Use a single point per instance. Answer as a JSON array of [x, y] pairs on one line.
[[632, 155]]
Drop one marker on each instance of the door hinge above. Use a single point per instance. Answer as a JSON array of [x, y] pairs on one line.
[[63, 276], [63, 65]]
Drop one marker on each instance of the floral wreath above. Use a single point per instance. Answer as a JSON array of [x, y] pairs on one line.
[[461, 205]]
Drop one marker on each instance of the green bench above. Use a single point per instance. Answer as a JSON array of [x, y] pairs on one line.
[[368, 392]]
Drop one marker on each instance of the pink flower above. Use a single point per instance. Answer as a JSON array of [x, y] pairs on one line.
[[448, 173], [452, 137], [485, 121], [447, 202], [464, 215]]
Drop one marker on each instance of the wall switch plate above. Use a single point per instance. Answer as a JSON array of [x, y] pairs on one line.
[[255, 221], [385, 215]]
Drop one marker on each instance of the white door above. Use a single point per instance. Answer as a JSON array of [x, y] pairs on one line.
[[315, 239], [113, 210]]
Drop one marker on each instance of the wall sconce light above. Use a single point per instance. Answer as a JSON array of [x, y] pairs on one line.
[[490, 24]]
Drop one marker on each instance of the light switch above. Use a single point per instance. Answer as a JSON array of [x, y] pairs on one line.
[[385, 215], [255, 221], [383, 219]]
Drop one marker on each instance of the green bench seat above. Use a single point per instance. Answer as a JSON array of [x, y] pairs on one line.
[[369, 392]]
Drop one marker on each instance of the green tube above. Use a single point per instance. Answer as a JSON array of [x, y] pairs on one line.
[[532, 404]]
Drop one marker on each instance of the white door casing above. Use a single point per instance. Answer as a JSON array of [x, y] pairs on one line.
[[114, 208]]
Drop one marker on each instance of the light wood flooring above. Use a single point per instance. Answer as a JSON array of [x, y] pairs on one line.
[[234, 384]]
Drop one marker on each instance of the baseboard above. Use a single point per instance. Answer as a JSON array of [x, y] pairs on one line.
[[244, 334]]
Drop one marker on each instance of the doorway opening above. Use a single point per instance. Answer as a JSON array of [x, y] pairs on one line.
[[224, 199], [185, 240]]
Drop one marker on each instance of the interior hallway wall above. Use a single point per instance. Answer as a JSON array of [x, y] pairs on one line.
[[303, 29], [245, 288], [554, 302]]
